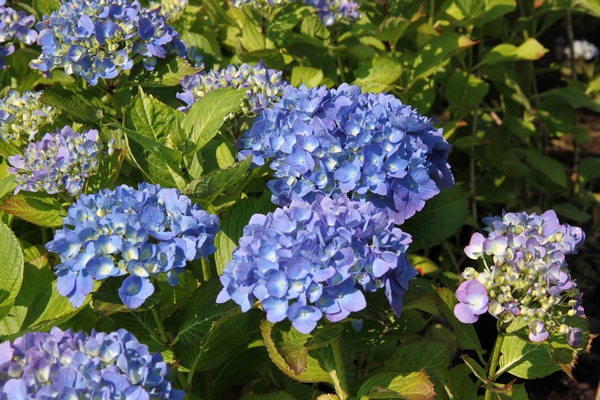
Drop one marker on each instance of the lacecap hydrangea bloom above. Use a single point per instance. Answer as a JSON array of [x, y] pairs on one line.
[[100, 38], [21, 117], [525, 275], [309, 260], [342, 141], [67, 365], [582, 49], [61, 161], [263, 86], [144, 233], [14, 26]]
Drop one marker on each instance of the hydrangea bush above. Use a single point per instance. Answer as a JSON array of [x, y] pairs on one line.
[[22, 116], [306, 261], [342, 141], [143, 233], [69, 365]]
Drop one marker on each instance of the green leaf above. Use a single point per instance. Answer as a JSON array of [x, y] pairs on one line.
[[572, 212], [475, 367], [45, 7], [530, 49], [207, 114], [166, 73], [415, 355], [378, 74], [518, 392], [206, 189], [271, 396], [150, 117], [574, 96], [307, 76], [465, 91], [225, 155], [466, 337], [37, 208], [11, 273], [525, 360], [8, 149], [391, 29], [457, 382], [421, 95], [447, 212], [232, 227], [547, 166], [107, 174], [390, 385], [72, 102]]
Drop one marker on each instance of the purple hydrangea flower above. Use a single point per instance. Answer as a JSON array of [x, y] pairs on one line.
[[145, 233], [100, 38], [331, 11], [14, 26], [21, 117], [68, 365], [61, 161], [308, 260], [264, 86], [525, 275], [342, 141]]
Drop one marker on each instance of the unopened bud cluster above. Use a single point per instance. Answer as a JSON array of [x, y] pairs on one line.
[[21, 117], [525, 275], [263, 86]]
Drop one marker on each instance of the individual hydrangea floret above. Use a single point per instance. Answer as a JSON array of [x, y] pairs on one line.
[[309, 260], [170, 8], [583, 49], [21, 117], [61, 161], [14, 26], [100, 38], [144, 233], [264, 86], [525, 275], [69, 365], [331, 11], [342, 141], [195, 57]]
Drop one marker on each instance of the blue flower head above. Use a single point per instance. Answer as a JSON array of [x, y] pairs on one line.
[[22, 117], [69, 365], [308, 260], [61, 161], [141, 233], [264, 86], [100, 38], [525, 275], [14, 26], [342, 141]]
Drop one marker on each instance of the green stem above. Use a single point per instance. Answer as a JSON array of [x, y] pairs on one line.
[[494, 360], [161, 327], [338, 375], [205, 269], [208, 384], [44, 232]]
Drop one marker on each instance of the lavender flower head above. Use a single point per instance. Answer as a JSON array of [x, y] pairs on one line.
[[14, 26], [68, 365], [307, 260], [141, 233], [21, 117], [331, 11], [100, 38], [263, 86], [61, 161], [583, 50], [342, 141], [525, 275]]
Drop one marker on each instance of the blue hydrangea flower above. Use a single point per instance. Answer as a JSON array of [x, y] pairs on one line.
[[309, 260], [331, 11], [142, 233], [14, 26], [525, 274], [342, 141], [170, 8], [61, 161], [100, 38], [264, 86], [21, 117], [68, 365]]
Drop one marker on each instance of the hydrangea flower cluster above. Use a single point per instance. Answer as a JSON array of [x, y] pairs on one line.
[[527, 276], [144, 233], [99, 38], [307, 260], [331, 11], [342, 141], [170, 8], [60, 161], [264, 86], [582, 49], [68, 365], [14, 26], [23, 116]]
